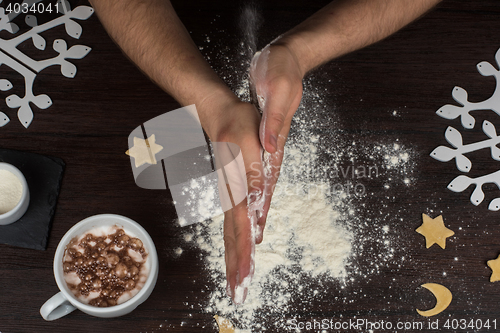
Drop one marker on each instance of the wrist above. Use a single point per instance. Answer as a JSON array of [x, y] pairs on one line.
[[211, 109], [295, 44]]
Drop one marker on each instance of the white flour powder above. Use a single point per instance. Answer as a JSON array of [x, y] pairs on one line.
[[302, 236], [314, 232], [11, 191], [320, 223]]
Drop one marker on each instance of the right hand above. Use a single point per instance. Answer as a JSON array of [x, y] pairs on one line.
[[277, 79]]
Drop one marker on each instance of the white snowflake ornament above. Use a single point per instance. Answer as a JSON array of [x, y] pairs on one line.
[[454, 137], [460, 95], [12, 57]]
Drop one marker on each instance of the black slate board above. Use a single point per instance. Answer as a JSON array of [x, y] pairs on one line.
[[43, 175]]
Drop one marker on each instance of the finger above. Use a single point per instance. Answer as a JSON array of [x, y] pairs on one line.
[[274, 165], [245, 249], [239, 251], [240, 228], [275, 114], [252, 155], [274, 161], [245, 218], [230, 253], [256, 197]]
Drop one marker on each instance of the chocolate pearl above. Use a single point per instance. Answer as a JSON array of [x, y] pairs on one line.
[[120, 232], [89, 277], [101, 260], [96, 283], [78, 261], [113, 259], [67, 267], [106, 292], [123, 240], [134, 270], [135, 244], [121, 270], [114, 294], [111, 302], [95, 254], [100, 246], [130, 284], [72, 252], [78, 254], [126, 260], [99, 272]]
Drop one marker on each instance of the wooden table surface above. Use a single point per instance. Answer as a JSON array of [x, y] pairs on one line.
[[412, 72]]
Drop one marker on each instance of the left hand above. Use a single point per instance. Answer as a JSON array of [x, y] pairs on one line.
[[239, 124]]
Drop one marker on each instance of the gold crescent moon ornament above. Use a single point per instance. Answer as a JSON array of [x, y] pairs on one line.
[[443, 299]]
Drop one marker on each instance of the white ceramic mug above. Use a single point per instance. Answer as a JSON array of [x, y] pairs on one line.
[[65, 302]]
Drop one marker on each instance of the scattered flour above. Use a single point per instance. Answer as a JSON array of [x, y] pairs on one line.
[[314, 232], [302, 237], [320, 225]]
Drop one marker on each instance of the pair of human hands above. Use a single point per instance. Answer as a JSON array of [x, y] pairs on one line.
[[277, 82], [178, 67]]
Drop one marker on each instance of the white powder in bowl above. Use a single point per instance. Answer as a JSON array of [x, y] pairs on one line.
[[11, 191]]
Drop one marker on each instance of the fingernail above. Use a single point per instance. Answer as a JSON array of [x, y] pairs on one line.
[[274, 141]]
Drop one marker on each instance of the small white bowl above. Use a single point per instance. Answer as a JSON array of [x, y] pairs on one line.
[[22, 206]]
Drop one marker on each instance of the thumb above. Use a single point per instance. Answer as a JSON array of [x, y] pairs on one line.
[[274, 116]]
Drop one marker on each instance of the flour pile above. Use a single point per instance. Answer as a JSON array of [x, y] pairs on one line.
[[304, 238]]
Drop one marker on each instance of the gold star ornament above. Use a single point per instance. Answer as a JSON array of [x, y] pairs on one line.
[[144, 151], [495, 267], [434, 231], [225, 326]]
